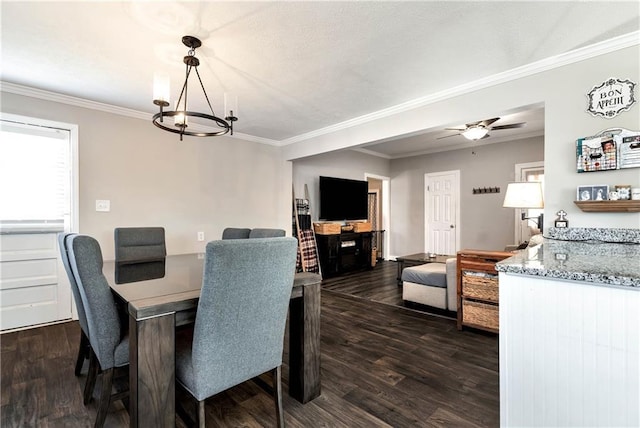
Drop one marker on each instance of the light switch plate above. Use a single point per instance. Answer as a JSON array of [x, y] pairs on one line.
[[103, 205]]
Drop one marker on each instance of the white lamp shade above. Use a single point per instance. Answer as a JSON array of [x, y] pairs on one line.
[[524, 195], [475, 132], [230, 104], [161, 87]]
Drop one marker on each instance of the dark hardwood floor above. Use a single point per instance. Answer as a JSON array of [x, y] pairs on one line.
[[378, 285], [382, 365]]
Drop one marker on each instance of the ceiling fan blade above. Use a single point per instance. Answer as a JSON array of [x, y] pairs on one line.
[[456, 129], [488, 122], [510, 126], [447, 136]]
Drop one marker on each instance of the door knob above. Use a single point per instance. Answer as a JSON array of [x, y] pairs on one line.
[[451, 226]]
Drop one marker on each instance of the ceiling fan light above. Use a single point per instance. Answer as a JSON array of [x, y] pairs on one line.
[[475, 132]]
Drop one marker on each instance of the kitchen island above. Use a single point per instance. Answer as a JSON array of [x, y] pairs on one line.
[[570, 331]]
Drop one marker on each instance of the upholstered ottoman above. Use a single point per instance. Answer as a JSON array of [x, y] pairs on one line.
[[428, 284]]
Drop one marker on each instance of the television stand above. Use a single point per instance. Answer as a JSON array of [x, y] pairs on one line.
[[344, 252]]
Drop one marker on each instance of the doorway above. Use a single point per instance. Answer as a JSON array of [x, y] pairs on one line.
[[442, 213], [524, 230], [38, 189], [379, 185]]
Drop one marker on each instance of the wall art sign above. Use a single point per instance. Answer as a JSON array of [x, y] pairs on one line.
[[611, 97]]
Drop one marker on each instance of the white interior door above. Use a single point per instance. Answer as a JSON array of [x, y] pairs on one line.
[[442, 216], [38, 185]]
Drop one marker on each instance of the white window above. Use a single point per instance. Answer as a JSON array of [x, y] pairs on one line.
[[36, 179]]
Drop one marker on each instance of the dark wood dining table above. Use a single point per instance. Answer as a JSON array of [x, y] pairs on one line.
[[169, 299]]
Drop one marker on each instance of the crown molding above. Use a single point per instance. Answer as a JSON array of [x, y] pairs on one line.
[[466, 144], [108, 108], [577, 55], [371, 153], [607, 46], [470, 144], [69, 100]]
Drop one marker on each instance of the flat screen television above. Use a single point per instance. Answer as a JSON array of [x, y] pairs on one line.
[[343, 199]]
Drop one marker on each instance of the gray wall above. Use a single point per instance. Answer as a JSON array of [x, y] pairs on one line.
[[343, 164], [561, 90], [153, 179], [484, 223]]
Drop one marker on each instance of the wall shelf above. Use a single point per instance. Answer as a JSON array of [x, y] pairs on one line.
[[627, 206]]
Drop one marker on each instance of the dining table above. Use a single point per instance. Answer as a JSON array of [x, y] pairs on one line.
[[161, 295]]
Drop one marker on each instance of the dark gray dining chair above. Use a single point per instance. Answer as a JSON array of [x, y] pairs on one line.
[[109, 343], [240, 322], [137, 244], [266, 233], [84, 350], [235, 233]]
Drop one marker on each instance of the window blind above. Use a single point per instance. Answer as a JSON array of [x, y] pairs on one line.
[[35, 175]]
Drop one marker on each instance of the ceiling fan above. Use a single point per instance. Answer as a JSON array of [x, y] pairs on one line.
[[480, 129]]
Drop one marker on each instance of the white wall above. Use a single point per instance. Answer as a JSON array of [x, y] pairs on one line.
[[485, 225], [153, 179], [562, 91]]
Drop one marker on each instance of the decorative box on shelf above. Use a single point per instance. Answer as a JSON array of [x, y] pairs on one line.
[[327, 228], [361, 226]]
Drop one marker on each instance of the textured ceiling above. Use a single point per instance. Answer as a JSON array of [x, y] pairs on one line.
[[296, 67]]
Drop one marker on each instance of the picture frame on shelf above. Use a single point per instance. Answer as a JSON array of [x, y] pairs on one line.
[[583, 193], [600, 192], [624, 191], [596, 192]]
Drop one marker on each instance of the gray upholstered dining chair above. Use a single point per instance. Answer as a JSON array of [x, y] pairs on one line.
[[84, 350], [240, 322], [109, 343], [266, 233], [235, 233], [136, 244]]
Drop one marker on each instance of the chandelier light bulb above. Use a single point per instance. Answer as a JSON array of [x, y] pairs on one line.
[[180, 119]]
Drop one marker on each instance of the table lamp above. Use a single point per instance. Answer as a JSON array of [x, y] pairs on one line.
[[526, 194]]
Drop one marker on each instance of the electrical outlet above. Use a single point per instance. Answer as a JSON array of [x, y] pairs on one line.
[[103, 205], [200, 236]]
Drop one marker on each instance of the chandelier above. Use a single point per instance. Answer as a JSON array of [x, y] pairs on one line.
[[181, 114]]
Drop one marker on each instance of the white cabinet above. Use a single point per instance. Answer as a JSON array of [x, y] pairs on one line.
[[569, 353]]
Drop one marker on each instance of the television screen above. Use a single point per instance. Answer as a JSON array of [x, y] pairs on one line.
[[343, 199]]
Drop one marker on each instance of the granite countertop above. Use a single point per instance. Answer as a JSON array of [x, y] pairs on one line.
[[613, 263]]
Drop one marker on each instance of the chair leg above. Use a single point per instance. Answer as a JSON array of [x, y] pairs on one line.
[[83, 352], [92, 374], [200, 422], [277, 395], [105, 397]]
